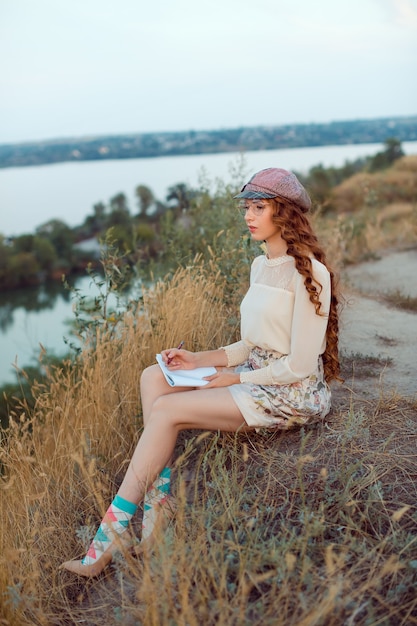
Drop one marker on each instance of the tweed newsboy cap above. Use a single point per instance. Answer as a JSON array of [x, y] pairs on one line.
[[275, 182]]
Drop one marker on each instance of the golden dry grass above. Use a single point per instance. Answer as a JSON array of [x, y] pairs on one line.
[[374, 211], [307, 528], [407, 163], [62, 462], [352, 238], [396, 184]]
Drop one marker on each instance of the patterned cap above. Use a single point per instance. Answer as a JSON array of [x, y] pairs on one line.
[[275, 182]]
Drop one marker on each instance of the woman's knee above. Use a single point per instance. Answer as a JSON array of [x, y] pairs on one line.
[[151, 375], [162, 411]]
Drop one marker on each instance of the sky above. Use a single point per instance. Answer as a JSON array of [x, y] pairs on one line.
[[73, 68]]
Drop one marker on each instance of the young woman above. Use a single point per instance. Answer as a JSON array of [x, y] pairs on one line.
[[276, 376]]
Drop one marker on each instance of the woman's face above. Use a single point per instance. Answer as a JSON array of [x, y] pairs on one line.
[[258, 217]]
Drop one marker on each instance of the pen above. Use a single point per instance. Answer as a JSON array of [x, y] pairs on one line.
[[178, 348]]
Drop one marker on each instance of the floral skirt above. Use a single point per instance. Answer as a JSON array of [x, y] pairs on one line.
[[281, 406]]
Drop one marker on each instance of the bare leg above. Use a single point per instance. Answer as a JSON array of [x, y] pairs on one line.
[[166, 415], [158, 503], [152, 386], [206, 409]]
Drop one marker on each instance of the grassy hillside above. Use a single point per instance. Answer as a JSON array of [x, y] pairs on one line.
[[312, 527], [372, 212]]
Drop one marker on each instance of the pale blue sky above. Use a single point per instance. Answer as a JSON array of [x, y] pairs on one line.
[[86, 67]]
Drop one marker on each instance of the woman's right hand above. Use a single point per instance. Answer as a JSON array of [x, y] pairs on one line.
[[176, 359]]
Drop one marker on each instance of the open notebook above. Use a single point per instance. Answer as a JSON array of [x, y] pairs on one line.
[[185, 378]]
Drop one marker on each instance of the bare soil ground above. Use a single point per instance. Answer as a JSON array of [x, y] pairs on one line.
[[378, 341]]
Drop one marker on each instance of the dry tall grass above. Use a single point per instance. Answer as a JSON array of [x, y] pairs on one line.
[[353, 238], [305, 528], [374, 211], [395, 184]]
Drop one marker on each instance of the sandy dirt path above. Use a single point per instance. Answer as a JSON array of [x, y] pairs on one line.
[[380, 340]]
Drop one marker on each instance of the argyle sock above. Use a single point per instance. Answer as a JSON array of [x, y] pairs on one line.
[[154, 498], [114, 523]]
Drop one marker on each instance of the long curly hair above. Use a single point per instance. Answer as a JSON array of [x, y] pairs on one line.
[[302, 244]]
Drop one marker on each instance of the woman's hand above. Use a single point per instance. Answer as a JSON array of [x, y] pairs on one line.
[[221, 379], [176, 359]]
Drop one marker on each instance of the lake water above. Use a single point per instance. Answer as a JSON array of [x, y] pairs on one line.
[[32, 195]]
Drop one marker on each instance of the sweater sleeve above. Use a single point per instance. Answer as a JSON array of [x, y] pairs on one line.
[[308, 336], [236, 353]]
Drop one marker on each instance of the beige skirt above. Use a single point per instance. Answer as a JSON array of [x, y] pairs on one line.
[[281, 406]]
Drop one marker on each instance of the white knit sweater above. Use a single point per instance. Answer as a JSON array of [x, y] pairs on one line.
[[277, 314]]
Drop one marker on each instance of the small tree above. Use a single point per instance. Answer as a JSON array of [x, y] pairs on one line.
[[182, 195], [119, 211], [44, 252], [145, 198], [23, 243], [23, 269], [61, 237], [382, 160]]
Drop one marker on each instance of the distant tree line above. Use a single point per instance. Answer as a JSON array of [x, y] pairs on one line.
[[147, 145]]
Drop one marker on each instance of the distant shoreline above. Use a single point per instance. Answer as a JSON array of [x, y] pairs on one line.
[[182, 143]]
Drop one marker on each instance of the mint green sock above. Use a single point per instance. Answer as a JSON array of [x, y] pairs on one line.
[[114, 523], [154, 498]]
